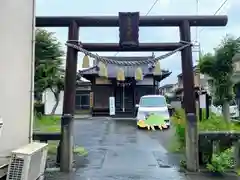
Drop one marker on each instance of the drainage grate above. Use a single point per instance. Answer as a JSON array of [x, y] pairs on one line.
[[16, 168]]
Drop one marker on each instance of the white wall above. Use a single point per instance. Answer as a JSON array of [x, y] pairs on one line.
[[16, 56], [49, 102]]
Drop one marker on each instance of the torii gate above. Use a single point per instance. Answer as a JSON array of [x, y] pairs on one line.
[[183, 22]]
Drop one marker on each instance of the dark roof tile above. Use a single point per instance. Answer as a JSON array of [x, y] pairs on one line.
[[129, 70]]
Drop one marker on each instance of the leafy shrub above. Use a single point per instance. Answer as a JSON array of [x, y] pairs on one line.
[[222, 161], [213, 123], [179, 121], [38, 109], [183, 164], [217, 162], [217, 123]]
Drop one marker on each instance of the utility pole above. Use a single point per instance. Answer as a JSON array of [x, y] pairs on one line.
[[197, 41]]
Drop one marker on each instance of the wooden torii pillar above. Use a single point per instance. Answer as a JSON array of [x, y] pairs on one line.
[[66, 145], [183, 22]]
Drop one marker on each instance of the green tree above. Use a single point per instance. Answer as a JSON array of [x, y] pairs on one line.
[[219, 66], [49, 72]]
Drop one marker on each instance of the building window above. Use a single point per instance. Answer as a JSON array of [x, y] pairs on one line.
[[82, 101]]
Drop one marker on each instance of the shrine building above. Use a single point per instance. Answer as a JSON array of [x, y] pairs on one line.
[[127, 88]]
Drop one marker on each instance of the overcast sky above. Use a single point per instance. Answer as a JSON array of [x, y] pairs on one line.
[[208, 37]]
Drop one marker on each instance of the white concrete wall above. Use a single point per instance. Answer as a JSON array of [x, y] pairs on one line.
[[49, 102], [16, 62]]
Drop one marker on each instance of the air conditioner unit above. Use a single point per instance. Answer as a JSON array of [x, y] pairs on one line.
[[28, 162]]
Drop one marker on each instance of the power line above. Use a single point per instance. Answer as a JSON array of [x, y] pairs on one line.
[[152, 7], [155, 2], [198, 33], [216, 12]]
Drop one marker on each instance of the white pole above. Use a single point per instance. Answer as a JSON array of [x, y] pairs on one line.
[[197, 13], [198, 46]]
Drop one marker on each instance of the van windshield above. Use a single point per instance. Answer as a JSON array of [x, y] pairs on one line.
[[157, 101]]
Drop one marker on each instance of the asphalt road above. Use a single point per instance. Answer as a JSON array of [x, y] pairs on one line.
[[117, 150]]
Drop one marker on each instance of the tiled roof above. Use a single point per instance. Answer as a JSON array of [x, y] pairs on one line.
[[167, 86], [128, 70], [194, 68], [126, 58]]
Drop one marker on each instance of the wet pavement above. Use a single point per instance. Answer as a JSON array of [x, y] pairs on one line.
[[117, 150]]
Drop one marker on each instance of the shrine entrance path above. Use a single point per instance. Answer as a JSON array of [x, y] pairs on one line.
[[117, 150]]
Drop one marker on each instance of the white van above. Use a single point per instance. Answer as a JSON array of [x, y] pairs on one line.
[[233, 109], [153, 104]]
